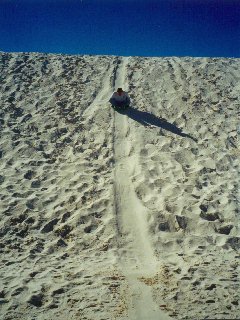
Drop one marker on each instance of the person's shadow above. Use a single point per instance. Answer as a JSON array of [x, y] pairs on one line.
[[148, 119]]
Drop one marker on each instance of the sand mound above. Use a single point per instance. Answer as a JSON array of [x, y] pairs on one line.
[[129, 215]]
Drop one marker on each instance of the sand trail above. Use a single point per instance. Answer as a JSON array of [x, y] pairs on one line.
[[102, 96], [136, 254]]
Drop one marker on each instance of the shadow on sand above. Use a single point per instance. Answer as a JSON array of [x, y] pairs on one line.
[[148, 119]]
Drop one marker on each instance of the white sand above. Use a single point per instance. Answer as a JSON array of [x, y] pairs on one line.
[[108, 215]]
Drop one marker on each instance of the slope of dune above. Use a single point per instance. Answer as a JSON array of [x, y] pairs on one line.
[[119, 215]]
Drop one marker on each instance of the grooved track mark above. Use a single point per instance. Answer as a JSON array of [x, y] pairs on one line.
[[136, 255]]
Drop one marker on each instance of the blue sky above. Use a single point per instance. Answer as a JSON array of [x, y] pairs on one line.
[[197, 28]]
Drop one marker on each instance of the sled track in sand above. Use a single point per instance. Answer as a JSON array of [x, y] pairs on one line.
[[135, 253]]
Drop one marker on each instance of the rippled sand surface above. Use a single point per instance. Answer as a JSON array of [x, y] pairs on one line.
[[119, 215]]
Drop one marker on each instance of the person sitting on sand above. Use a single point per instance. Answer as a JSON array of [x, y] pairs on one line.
[[120, 99]]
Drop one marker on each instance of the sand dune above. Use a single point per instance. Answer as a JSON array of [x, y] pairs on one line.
[[119, 215]]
